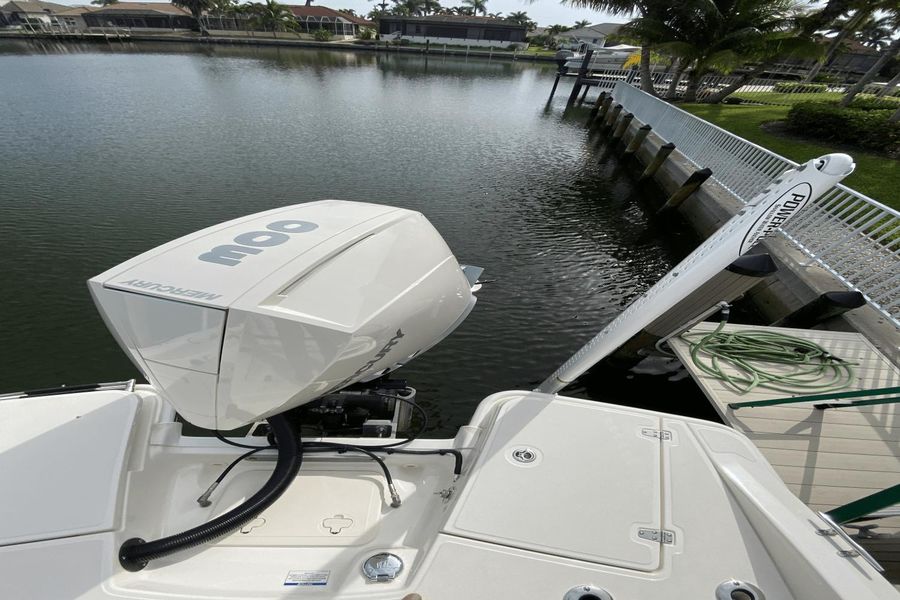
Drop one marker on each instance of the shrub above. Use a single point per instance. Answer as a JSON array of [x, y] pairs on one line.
[[366, 33], [322, 35], [733, 100], [830, 122], [800, 88], [826, 78], [869, 102]]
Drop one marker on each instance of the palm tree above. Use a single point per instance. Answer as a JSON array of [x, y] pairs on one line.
[[582, 24], [557, 29], [348, 11], [521, 18], [477, 6], [862, 11], [876, 33], [195, 6], [407, 7], [892, 51], [723, 35], [219, 8], [430, 7], [271, 16]]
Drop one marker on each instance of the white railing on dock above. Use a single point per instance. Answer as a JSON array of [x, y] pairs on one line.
[[852, 236]]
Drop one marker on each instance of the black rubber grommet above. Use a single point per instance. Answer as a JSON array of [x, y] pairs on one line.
[[127, 563]]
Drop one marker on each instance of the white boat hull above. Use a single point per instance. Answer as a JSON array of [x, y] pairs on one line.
[[555, 493]]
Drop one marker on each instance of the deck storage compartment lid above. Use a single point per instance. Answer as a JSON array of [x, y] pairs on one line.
[[567, 479]]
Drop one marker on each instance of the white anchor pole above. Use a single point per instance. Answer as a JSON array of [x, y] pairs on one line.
[[762, 216]]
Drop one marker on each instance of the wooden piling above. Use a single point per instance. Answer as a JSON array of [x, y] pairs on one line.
[[604, 110], [582, 73], [612, 116], [664, 151], [596, 108], [694, 181], [555, 83], [638, 139], [619, 131]]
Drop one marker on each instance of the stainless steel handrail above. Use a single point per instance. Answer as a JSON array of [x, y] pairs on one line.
[[853, 543]]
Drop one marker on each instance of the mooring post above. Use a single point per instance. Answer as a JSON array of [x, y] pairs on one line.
[[596, 108], [619, 131], [694, 181], [582, 73], [826, 306], [661, 155], [612, 116], [604, 110], [555, 83], [639, 136]]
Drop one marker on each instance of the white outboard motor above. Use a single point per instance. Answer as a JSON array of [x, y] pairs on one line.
[[249, 318]]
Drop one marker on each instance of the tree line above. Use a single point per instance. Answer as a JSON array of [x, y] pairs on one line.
[[699, 37]]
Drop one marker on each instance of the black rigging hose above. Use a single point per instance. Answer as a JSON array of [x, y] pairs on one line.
[[136, 553]]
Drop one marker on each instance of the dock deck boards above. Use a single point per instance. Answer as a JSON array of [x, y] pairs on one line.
[[826, 457]]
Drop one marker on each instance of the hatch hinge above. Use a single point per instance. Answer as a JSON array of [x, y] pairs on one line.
[[660, 434], [657, 535]]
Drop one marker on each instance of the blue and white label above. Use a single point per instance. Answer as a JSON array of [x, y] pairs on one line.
[[307, 578]]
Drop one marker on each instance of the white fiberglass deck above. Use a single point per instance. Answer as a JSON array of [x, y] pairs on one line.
[[826, 457]]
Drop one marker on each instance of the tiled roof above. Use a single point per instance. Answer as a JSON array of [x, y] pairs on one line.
[[320, 12], [76, 10], [143, 7], [32, 6]]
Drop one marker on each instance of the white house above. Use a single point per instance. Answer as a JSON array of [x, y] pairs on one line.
[[30, 13], [72, 19], [593, 36]]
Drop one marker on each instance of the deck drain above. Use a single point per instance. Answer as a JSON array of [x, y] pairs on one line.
[[524, 456]]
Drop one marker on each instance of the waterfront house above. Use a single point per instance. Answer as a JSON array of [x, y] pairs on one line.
[[590, 37], [140, 16], [454, 30], [72, 19], [30, 14], [343, 26]]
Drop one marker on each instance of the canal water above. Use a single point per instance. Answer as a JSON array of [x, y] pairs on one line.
[[108, 151]]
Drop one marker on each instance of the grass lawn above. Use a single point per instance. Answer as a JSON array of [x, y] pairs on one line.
[[876, 176], [538, 51]]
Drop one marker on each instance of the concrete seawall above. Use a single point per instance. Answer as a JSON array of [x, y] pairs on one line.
[[189, 38]]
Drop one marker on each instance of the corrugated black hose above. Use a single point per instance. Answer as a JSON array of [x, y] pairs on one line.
[[136, 553]]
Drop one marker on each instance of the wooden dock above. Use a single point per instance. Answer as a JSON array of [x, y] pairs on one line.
[[826, 457]]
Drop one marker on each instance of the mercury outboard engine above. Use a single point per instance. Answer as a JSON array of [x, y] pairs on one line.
[[247, 319], [261, 314]]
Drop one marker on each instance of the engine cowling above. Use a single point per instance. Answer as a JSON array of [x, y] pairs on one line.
[[254, 316]]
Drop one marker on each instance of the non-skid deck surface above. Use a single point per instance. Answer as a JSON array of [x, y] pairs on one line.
[[826, 457]]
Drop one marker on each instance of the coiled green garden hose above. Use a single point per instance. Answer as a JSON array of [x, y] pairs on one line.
[[752, 353]]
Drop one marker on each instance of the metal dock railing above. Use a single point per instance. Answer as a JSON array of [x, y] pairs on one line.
[[852, 236]]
